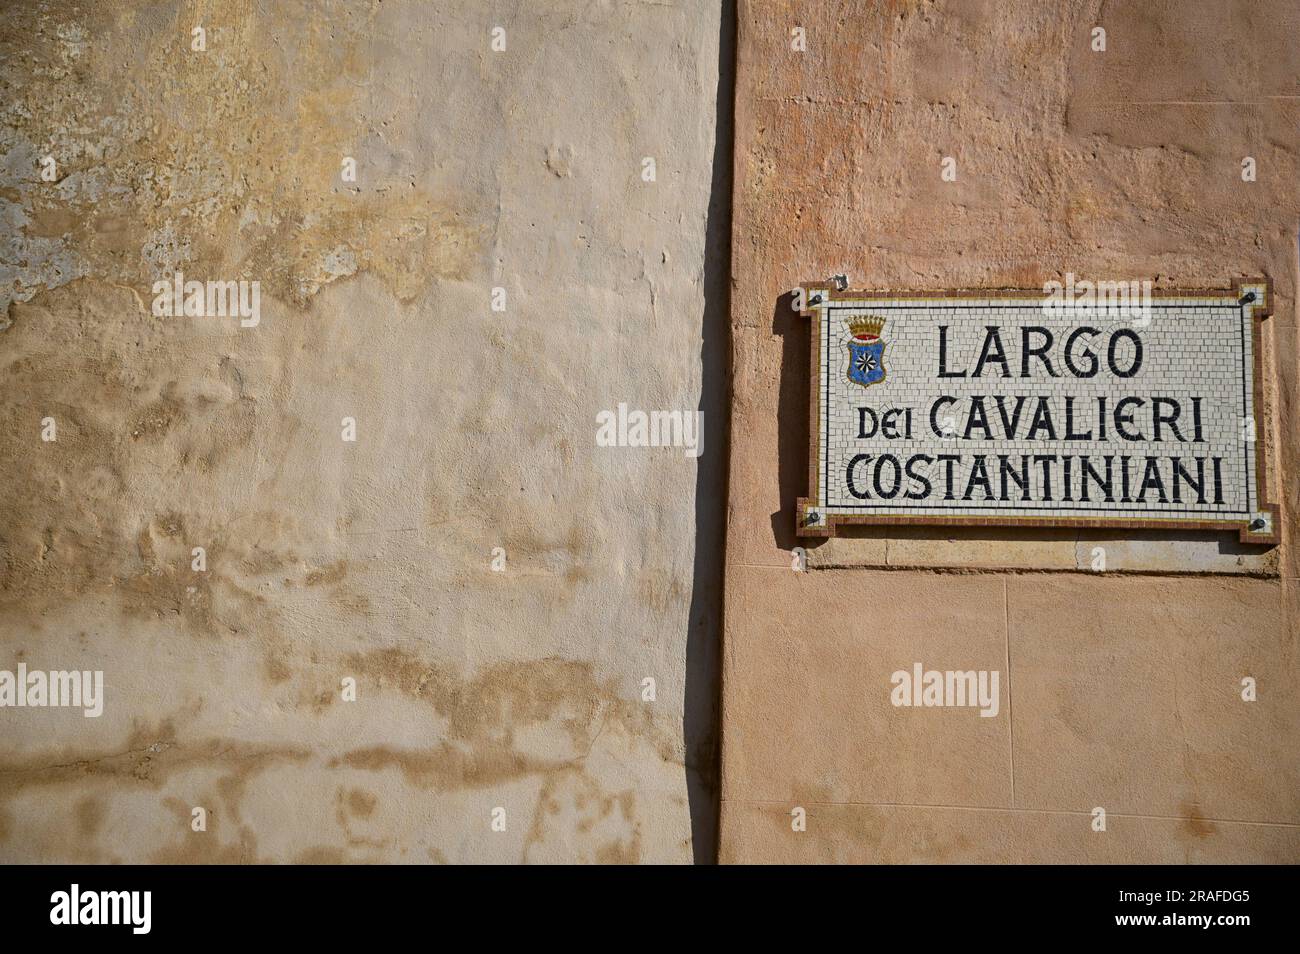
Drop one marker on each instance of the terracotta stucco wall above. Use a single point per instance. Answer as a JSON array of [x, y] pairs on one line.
[[1119, 690], [477, 168]]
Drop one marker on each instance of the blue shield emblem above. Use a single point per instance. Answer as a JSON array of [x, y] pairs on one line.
[[866, 362]]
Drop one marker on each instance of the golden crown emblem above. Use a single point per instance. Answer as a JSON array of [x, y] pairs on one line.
[[866, 326]]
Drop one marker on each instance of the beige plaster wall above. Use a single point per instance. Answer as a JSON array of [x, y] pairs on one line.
[[1119, 690], [476, 690]]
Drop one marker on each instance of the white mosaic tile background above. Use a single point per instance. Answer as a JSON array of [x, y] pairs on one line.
[[1192, 347]]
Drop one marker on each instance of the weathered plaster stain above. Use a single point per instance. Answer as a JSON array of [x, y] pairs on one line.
[[224, 163]]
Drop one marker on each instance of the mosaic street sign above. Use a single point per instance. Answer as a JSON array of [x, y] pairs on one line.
[[1093, 406]]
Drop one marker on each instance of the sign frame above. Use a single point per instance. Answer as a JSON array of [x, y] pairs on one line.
[[811, 522]]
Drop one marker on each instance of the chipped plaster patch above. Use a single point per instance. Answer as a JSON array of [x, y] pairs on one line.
[[172, 158]]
